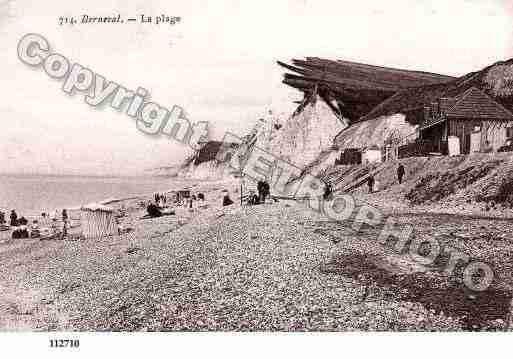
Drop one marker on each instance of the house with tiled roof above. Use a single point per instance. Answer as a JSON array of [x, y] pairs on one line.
[[477, 120], [410, 113]]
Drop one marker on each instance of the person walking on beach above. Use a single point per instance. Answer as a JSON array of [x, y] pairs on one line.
[[64, 223], [328, 190], [370, 183], [260, 190], [14, 218], [400, 173], [267, 190], [264, 191], [65, 215]]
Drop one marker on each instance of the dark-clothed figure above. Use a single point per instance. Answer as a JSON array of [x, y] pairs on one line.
[[370, 184], [400, 173], [201, 196], [14, 218], [227, 200], [263, 189], [267, 190], [153, 210], [20, 232], [260, 190], [327, 192], [254, 199], [2, 217], [64, 223]]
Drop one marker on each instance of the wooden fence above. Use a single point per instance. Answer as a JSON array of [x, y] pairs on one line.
[[423, 148]]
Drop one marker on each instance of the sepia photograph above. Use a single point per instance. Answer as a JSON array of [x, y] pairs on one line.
[[289, 176]]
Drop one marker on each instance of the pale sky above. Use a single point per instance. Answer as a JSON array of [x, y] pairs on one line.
[[219, 64]]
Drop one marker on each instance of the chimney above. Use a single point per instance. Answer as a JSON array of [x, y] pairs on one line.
[[427, 113], [445, 103]]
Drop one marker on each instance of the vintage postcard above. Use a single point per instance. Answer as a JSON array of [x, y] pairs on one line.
[[241, 166]]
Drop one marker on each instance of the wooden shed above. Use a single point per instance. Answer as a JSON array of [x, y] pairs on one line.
[[479, 122]]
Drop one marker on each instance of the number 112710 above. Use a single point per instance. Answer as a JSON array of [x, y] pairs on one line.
[[64, 343]]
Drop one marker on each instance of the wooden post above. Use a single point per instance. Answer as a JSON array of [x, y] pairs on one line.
[[461, 124], [241, 193]]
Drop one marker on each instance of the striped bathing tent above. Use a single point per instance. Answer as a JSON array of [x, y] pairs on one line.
[[97, 221]]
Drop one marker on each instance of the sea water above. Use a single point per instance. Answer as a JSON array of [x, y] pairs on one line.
[[31, 195]]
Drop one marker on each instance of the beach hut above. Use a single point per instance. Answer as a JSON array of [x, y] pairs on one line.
[[97, 221], [371, 155]]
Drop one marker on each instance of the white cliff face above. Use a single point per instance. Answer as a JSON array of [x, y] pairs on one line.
[[307, 133], [375, 132], [393, 128], [298, 140]]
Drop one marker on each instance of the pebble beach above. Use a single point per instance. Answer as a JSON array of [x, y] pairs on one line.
[[270, 267]]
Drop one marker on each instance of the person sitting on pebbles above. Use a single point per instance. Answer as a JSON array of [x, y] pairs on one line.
[[227, 200], [153, 210]]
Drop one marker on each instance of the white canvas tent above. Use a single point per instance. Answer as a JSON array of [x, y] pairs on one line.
[[97, 221]]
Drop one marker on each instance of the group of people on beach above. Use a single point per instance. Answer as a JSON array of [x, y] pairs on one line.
[[14, 221], [160, 199], [19, 225], [188, 199], [264, 193], [160, 205], [22, 229]]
